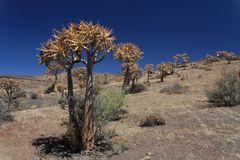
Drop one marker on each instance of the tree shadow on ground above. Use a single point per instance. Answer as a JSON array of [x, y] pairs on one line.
[[56, 146], [60, 147]]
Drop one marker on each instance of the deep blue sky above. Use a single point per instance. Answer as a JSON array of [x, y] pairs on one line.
[[160, 27]]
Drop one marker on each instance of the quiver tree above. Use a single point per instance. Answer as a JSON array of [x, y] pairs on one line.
[[10, 86], [54, 69], [57, 50], [92, 42], [135, 73], [185, 59], [149, 69], [177, 59], [89, 44], [127, 53], [161, 68], [81, 74], [225, 55]]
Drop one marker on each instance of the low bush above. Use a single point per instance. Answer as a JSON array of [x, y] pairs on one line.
[[176, 88], [5, 113], [108, 105], [20, 94], [136, 89], [50, 89], [118, 148], [152, 120], [96, 89], [226, 91], [207, 69], [34, 96]]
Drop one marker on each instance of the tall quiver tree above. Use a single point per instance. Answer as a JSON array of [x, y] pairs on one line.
[[127, 53], [149, 69], [93, 42], [57, 50]]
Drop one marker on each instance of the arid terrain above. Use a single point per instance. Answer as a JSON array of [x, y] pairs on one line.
[[194, 130]]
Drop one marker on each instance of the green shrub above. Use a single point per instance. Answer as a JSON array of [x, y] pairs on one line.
[[226, 91], [96, 89], [118, 148], [176, 88], [5, 112], [108, 106]]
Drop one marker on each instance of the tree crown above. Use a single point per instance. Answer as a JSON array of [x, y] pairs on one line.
[[127, 52]]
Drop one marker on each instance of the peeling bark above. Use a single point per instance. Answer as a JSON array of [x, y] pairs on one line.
[[126, 80], [88, 130], [73, 124]]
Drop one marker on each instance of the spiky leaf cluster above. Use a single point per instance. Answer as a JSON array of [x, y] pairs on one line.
[[69, 45], [127, 53]]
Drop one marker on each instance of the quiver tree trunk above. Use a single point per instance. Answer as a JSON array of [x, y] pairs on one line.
[[10, 97], [161, 76], [133, 84], [126, 80], [88, 130], [106, 78], [148, 73], [62, 99], [55, 78], [73, 124], [229, 61]]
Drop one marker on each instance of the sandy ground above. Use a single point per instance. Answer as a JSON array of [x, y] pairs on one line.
[[193, 130]]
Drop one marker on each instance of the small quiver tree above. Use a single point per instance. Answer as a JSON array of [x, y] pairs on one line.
[[225, 55], [161, 68], [177, 59], [127, 53], [61, 88], [54, 69], [185, 59], [134, 73], [10, 86], [149, 69]]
